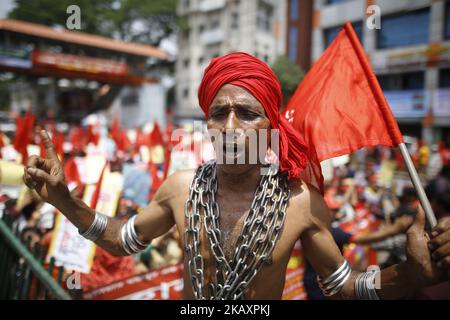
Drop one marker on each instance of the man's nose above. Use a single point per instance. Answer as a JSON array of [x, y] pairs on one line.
[[232, 122]]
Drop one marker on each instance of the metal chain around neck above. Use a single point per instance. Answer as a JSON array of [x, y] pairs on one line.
[[255, 244]]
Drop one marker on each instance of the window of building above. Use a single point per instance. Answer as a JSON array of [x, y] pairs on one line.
[[215, 24], [264, 16], [404, 30], [444, 78], [201, 60], [234, 20], [293, 35], [447, 21], [402, 81], [336, 1], [185, 92], [186, 63], [130, 98], [201, 28], [186, 33], [331, 33], [294, 10]]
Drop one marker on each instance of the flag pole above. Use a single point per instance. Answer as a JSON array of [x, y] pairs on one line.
[[418, 186], [392, 124]]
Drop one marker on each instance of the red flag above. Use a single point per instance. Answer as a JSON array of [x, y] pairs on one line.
[[58, 142], [155, 137], [98, 187], [119, 136], [71, 172], [93, 136], [156, 180], [78, 139], [139, 140], [116, 134], [339, 106], [24, 134]]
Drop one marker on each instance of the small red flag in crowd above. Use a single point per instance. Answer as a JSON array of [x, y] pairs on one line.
[[98, 187], [24, 134], [155, 138], [71, 173]]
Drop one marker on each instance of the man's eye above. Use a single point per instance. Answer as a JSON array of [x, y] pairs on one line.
[[218, 115], [248, 115]]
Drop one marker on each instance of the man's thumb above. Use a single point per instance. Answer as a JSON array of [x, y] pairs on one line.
[[418, 224]]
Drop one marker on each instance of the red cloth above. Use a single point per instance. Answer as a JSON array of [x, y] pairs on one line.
[[106, 269], [339, 106], [250, 73]]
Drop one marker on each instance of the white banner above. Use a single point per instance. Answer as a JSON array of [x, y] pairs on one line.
[[441, 105], [69, 248], [408, 103]]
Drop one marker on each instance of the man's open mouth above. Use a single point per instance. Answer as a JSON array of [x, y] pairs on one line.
[[233, 150]]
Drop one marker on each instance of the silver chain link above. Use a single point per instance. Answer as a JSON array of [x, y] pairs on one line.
[[255, 244]]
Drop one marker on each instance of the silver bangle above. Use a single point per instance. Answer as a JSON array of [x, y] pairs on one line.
[[97, 227], [365, 286], [335, 282], [130, 241]]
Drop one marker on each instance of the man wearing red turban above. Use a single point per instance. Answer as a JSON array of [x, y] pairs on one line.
[[239, 226]]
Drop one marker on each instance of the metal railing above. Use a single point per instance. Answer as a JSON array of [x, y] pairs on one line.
[[22, 272]]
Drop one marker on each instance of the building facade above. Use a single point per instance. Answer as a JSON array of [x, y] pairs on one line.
[[410, 54], [217, 27], [69, 75]]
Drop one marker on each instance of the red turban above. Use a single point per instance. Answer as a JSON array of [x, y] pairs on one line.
[[250, 73]]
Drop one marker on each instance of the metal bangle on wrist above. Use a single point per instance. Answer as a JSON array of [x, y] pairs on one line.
[[97, 227], [130, 241], [365, 286], [335, 282]]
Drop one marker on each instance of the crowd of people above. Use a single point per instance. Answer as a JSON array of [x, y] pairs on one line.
[[370, 196]]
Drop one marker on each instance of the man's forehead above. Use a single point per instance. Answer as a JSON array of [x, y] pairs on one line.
[[230, 95]]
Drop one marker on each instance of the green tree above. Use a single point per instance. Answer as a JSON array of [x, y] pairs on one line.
[[289, 74], [130, 20]]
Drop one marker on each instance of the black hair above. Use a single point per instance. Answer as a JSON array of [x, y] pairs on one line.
[[26, 230], [28, 210]]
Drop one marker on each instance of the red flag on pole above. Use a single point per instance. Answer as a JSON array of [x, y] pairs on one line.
[[98, 187], [339, 106], [155, 137], [71, 173], [24, 134]]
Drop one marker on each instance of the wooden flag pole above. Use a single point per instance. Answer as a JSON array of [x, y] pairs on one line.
[[418, 186]]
